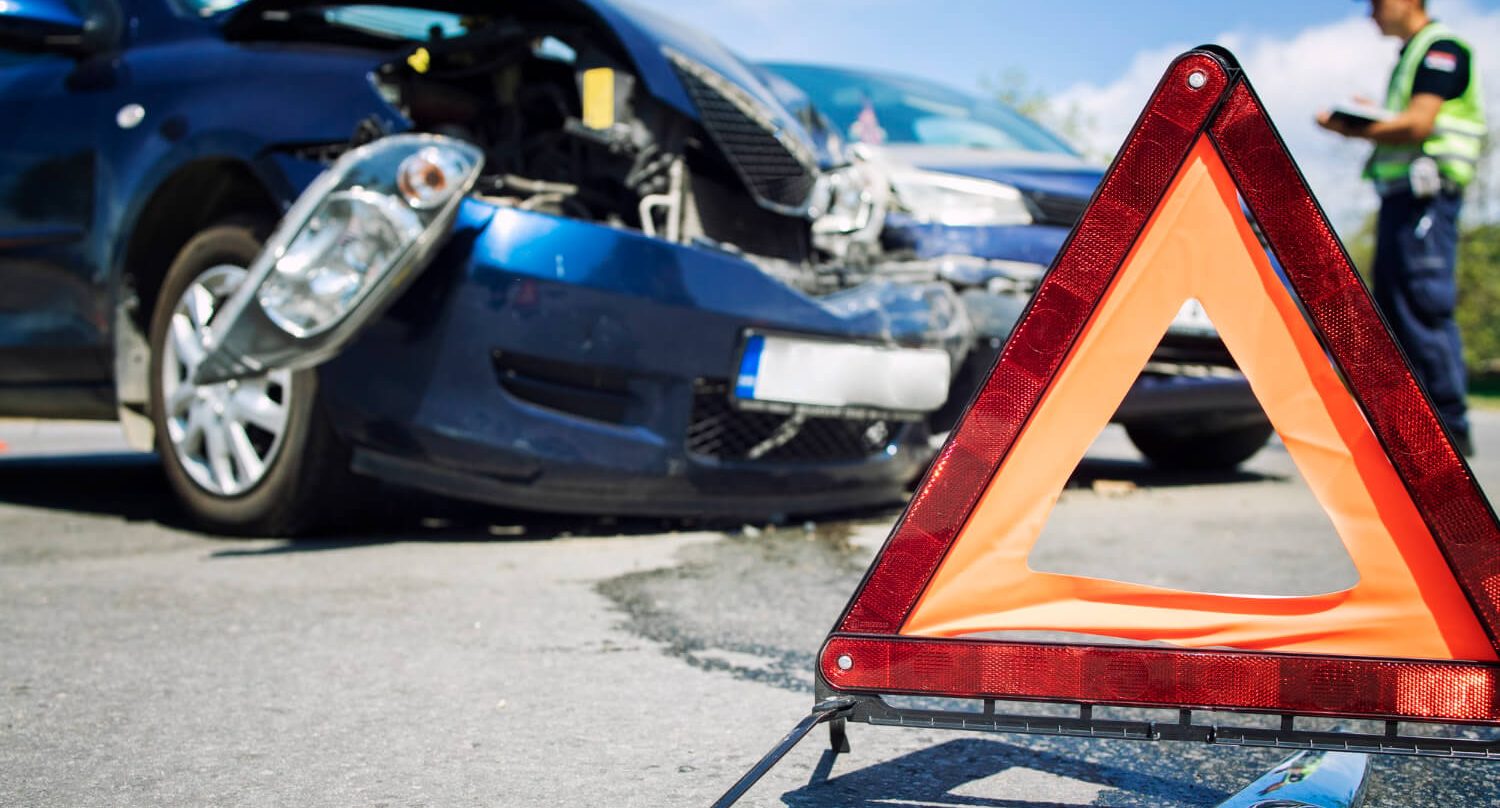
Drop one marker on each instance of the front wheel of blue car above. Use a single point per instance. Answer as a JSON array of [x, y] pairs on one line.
[[253, 455]]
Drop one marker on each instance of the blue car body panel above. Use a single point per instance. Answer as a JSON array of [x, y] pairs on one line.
[[188, 102], [1034, 244]]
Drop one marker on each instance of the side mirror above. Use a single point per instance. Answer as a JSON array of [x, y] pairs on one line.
[[59, 26]]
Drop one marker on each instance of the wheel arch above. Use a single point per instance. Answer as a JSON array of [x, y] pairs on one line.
[[192, 197]]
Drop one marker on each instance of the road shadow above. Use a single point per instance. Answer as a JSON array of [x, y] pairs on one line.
[[931, 776], [127, 485], [131, 486], [1143, 475]]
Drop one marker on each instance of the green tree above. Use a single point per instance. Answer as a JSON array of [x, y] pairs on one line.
[[1361, 247], [1478, 287], [1015, 88], [1479, 296], [1481, 203]]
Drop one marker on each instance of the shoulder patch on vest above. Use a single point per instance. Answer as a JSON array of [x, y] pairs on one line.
[[1438, 60]]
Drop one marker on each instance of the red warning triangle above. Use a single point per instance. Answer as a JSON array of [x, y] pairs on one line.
[[1416, 638]]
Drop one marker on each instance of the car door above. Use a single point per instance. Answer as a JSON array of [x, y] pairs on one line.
[[53, 297]]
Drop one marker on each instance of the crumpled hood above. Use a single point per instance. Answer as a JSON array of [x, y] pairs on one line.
[[643, 34], [1053, 174]]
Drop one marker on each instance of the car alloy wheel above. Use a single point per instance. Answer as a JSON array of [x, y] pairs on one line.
[[224, 435]]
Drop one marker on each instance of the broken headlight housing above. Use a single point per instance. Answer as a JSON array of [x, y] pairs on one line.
[[352, 237], [849, 208], [960, 201], [351, 242]]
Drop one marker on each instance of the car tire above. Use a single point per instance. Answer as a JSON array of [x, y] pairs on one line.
[[255, 456], [1198, 447]]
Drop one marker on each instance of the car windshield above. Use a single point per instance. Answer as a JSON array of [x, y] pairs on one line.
[[880, 108], [402, 23], [405, 23], [207, 8]]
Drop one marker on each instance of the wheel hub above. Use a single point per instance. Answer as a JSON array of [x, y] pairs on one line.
[[225, 435]]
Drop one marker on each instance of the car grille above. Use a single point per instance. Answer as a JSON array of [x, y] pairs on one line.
[[720, 431], [1055, 209], [770, 165]]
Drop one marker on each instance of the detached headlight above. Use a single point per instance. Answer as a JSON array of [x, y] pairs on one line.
[[378, 204], [351, 239], [351, 242], [953, 200]]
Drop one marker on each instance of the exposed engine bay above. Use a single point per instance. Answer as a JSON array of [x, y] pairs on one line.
[[520, 95], [568, 128]]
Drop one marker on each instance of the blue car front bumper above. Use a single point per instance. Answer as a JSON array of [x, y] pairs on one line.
[[547, 363]]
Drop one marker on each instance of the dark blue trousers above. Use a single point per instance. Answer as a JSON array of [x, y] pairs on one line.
[[1416, 288]]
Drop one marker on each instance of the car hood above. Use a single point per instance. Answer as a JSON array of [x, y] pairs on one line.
[[1062, 175], [646, 37]]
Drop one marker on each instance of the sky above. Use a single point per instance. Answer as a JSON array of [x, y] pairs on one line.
[[1103, 59]]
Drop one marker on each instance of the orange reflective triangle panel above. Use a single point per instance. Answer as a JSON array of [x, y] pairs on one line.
[[1415, 638]]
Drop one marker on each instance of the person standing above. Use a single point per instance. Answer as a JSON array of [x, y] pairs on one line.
[[1427, 146]]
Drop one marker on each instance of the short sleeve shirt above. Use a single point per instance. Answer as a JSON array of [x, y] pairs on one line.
[[1444, 71]]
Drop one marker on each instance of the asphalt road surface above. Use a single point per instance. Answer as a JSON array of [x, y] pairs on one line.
[[463, 657]]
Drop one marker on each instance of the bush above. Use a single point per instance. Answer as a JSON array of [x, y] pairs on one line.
[[1478, 288], [1479, 296]]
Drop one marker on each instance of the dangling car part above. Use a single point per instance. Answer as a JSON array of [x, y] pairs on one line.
[[348, 247]]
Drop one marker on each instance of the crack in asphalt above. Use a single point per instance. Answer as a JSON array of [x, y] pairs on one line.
[[780, 667]]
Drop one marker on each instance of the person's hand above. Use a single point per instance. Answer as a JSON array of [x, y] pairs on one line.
[[1332, 124]]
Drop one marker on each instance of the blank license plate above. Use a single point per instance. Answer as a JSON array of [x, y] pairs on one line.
[[818, 373]]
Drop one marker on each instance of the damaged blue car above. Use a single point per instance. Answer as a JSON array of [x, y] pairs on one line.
[[561, 256]]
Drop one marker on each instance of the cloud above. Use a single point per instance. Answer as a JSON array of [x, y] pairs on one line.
[[1296, 77]]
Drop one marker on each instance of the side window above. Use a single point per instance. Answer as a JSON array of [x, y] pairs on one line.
[[10, 58], [62, 27]]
